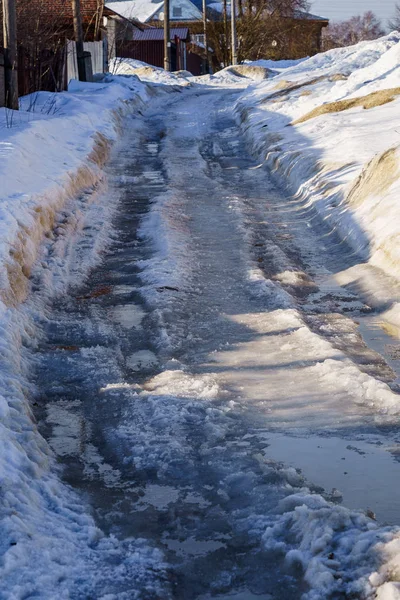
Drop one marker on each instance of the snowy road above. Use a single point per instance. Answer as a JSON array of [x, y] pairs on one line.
[[211, 375]]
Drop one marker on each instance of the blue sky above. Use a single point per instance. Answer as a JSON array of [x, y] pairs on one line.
[[343, 9]]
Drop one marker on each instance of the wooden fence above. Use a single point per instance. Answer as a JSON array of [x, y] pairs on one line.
[[49, 70], [43, 70], [98, 51]]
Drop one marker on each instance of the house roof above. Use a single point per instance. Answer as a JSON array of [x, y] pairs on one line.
[[157, 33], [305, 16], [108, 12], [142, 10], [146, 10]]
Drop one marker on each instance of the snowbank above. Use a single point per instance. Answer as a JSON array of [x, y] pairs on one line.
[[274, 65], [53, 149], [327, 128], [146, 72], [333, 548]]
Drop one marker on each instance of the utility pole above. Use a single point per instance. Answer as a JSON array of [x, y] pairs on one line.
[[206, 62], [167, 38], [10, 53], [233, 23], [78, 33]]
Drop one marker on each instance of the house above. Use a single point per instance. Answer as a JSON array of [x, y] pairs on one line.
[[148, 46], [288, 37], [46, 61], [184, 15], [308, 28]]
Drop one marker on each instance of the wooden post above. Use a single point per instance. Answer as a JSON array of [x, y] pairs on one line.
[[233, 23], [10, 53], [78, 33], [167, 38], [206, 62]]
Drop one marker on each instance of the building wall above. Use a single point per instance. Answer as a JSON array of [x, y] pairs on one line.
[[64, 7], [303, 39], [180, 10]]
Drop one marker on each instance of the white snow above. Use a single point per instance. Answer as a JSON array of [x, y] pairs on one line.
[[142, 10], [275, 65], [150, 73], [344, 164]]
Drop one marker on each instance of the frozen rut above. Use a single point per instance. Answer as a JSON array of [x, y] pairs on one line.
[[210, 377]]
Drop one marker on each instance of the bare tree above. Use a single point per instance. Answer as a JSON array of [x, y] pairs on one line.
[[41, 45], [265, 28], [394, 23], [354, 30]]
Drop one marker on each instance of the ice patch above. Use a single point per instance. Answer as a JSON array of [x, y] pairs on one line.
[[67, 428], [193, 547], [181, 384], [129, 316], [159, 496], [123, 289], [143, 359], [260, 286]]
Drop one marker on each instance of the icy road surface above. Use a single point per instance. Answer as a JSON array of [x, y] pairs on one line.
[[211, 367]]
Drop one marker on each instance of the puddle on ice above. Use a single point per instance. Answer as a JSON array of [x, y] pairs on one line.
[[67, 427], [159, 496], [378, 335], [128, 315], [366, 474], [194, 498]]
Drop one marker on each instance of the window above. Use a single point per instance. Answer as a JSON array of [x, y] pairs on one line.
[[198, 39], [176, 12]]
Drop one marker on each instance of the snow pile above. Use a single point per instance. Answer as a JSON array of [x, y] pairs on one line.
[[251, 71], [327, 128], [333, 548], [53, 149], [150, 73], [274, 65]]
